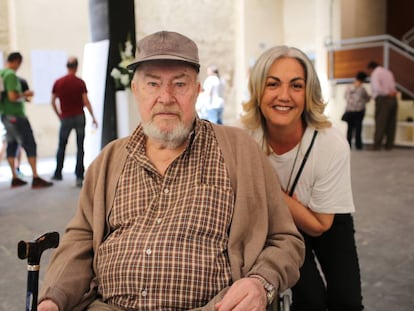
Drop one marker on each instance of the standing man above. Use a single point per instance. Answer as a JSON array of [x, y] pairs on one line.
[[72, 95], [183, 214], [18, 128], [384, 92]]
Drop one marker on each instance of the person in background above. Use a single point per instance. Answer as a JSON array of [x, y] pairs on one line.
[[18, 158], [312, 160], [183, 214], [18, 128], [69, 97], [383, 89], [356, 97], [213, 88]]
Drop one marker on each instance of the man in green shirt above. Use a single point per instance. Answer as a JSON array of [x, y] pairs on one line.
[[18, 128]]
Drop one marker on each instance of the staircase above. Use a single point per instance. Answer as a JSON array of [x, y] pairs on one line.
[[347, 57]]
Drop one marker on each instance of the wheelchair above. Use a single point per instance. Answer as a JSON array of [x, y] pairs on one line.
[[33, 250], [284, 301]]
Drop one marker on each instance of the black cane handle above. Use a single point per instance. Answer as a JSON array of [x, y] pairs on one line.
[[33, 250]]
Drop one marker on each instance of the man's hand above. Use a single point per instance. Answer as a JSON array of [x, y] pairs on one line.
[[393, 94], [47, 305], [28, 93], [244, 295]]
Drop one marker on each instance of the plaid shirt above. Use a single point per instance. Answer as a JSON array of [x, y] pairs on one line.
[[168, 244]]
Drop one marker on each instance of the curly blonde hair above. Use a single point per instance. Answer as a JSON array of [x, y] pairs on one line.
[[314, 104]]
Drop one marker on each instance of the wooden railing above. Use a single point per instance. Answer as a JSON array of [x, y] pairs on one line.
[[347, 57]]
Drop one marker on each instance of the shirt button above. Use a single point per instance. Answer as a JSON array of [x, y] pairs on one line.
[[158, 220], [148, 251], [144, 293], [166, 190]]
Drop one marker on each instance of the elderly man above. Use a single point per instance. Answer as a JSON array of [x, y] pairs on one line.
[[183, 214]]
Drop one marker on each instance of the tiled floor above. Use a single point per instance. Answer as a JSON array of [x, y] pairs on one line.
[[383, 184]]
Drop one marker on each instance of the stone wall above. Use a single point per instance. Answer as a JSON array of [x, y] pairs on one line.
[[4, 25], [230, 34], [44, 25], [211, 24], [363, 18]]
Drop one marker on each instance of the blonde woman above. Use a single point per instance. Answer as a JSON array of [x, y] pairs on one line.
[[312, 160]]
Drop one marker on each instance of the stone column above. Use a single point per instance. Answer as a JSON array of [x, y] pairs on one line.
[[113, 20]]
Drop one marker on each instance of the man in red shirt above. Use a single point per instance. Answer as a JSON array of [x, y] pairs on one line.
[[72, 96]]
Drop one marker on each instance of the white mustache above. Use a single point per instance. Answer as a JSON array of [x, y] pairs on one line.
[[166, 110]]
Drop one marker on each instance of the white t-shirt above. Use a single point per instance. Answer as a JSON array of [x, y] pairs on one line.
[[213, 89], [325, 183]]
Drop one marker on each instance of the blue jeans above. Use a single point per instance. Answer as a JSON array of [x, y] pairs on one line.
[[67, 124], [215, 115]]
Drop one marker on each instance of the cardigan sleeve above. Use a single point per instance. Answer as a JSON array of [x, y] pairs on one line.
[[69, 275], [263, 237], [70, 279]]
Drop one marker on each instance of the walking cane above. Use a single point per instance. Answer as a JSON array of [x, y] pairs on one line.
[[33, 251]]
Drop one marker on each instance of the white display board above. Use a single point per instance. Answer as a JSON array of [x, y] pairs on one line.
[[95, 61], [47, 66]]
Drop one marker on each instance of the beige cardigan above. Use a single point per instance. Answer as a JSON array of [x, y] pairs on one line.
[[263, 238]]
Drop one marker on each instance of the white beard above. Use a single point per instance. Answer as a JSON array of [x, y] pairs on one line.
[[168, 139]]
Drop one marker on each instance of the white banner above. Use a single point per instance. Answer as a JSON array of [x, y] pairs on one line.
[[95, 60], [47, 67]]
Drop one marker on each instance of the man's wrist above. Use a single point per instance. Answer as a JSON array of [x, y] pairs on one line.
[[268, 287]]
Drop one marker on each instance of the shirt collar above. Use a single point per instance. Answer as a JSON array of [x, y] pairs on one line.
[[137, 141]]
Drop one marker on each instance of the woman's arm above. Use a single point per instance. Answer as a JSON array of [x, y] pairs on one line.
[[310, 222]]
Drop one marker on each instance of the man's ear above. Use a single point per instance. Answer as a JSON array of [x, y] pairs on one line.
[[133, 85]]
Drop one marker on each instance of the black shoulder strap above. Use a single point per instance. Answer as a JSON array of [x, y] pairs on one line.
[[305, 158]]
